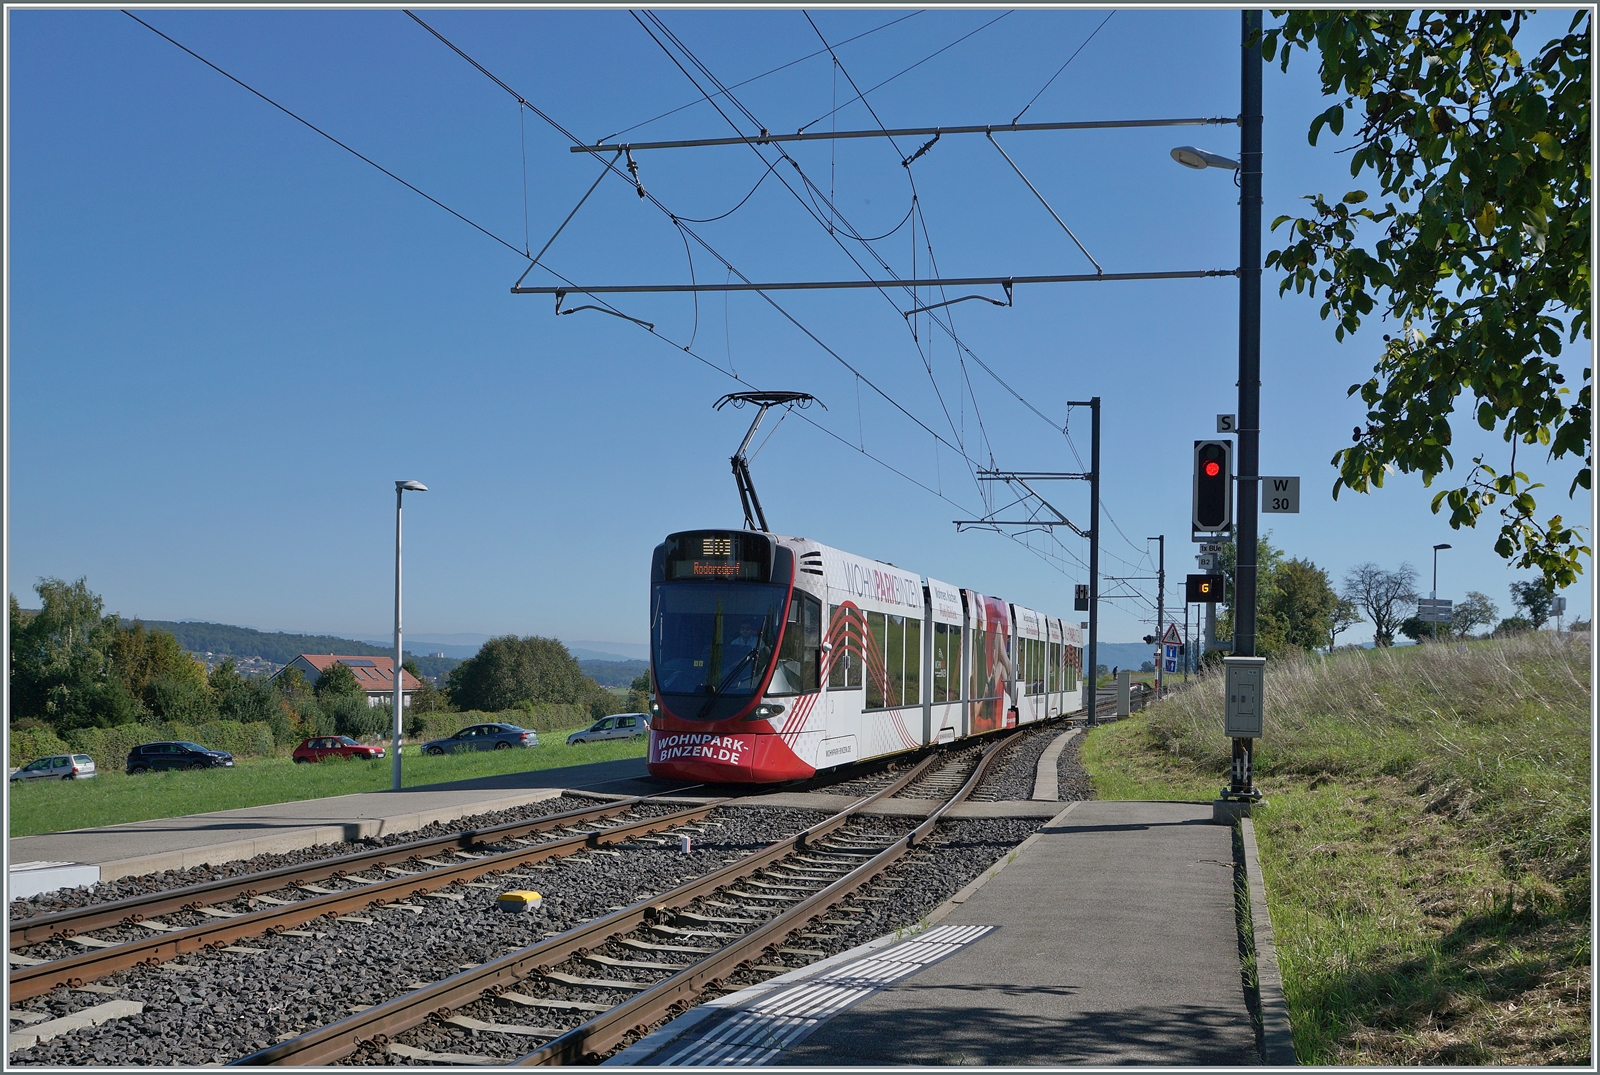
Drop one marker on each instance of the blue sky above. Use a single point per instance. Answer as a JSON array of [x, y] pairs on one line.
[[227, 336]]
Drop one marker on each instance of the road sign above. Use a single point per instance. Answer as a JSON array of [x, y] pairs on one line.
[[1171, 637], [1433, 611], [1226, 423], [1211, 546], [1280, 496], [1559, 606], [1207, 561]]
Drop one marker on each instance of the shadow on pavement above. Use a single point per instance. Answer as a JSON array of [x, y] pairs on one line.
[[945, 1035]]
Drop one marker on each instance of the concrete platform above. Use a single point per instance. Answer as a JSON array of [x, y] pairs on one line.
[[1109, 939]]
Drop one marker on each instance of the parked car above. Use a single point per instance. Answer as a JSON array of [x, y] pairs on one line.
[[621, 726], [57, 767], [483, 737], [333, 746], [178, 755]]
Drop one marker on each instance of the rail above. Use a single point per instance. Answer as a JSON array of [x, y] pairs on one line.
[[378, 1024]]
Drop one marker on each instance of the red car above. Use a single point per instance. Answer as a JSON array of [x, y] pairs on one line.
[[333, 746]]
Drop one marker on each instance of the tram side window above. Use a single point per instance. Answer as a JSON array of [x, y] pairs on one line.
[[946, 662], [978, 688], [876, 647], [797, 670], [1036, 672], [845, 632], [912, 694], [1053, 669]]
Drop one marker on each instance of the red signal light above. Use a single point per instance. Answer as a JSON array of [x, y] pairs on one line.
[[1212, 469]]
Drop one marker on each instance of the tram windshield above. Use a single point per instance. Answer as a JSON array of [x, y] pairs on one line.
[[714, 639]]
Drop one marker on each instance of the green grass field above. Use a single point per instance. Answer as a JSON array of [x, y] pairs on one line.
[[113, 797], [1425, 844]]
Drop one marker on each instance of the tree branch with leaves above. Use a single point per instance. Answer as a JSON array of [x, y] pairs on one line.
[[1480, 255]]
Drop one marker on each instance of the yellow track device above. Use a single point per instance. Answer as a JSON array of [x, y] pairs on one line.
[[519, 900]]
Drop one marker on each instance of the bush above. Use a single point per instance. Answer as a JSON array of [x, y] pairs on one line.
[[540, 718], [352, 716], [26, 744], [109, 747]]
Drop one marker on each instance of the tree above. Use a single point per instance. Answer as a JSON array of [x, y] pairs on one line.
[[140, 658], [1304, 602], [1483, 160], [248, 700], [639, 694], [61, 657], [1476, 611], [1346, 614], [1382, 595], [509, 670], [1535, 598], [1271, 628], [1514, 625], [426, 698], [336, 680]]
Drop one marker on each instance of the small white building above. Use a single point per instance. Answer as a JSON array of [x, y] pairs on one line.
[[375, 674]]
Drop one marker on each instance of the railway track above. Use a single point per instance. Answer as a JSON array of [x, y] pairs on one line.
[[398, 872], [668, 950]]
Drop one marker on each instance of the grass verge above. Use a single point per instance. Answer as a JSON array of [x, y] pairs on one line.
[[1426, 843], [113, 797]]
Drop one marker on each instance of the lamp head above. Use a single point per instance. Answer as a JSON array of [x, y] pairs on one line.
[[1436, 548], [1192, 157], [411, 486]]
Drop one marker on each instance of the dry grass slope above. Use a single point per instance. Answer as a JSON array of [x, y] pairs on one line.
[[1427, 843]]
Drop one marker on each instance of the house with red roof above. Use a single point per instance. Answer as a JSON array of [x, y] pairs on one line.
[[375, 674]]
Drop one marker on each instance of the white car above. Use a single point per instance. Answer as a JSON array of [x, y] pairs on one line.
[[57, 767], [621, 726]]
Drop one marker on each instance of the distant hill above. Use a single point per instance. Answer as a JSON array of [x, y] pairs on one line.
[[278, 647], [614, 673]]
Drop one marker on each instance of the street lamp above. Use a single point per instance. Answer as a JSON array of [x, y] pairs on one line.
[[1191, 157], [400, 490], [1433, 594]]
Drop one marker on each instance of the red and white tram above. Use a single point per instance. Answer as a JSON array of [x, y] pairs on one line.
[[775, 657]]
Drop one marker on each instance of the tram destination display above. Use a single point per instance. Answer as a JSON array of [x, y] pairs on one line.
[[719, 554]]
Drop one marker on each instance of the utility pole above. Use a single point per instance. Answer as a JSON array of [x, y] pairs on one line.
[[1161, 609], [1249, 430], [1092, 657]]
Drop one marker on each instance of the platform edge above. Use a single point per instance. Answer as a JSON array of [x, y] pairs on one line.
[[1277, 1033]]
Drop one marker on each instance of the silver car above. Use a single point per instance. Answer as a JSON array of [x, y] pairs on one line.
[[621, 726], [57, 767]]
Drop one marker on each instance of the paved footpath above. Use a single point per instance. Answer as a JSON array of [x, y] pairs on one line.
[[178, 843], [1112, 941]]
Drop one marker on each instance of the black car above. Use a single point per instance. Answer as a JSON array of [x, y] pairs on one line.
[[179, 755]]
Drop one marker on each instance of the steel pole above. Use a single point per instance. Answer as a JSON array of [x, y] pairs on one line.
[[1094, 558], [1247, 501], [1161, 613], [399, 700], [1433, 595]]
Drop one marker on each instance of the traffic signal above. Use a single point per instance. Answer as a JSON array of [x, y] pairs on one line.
[[1213, 485], [1202, 589], [1080, 598]]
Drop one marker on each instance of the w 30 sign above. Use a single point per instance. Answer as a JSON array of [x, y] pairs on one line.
[[1280, 496]]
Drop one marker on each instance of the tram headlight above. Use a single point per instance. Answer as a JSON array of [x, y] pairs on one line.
[[765, 711]]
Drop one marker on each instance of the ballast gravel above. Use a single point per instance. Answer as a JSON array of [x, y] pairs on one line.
[[215, 1007], [957, 853], [1072, 782], [126, 887]]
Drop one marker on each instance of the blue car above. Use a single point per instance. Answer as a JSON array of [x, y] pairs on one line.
[[483, 737]]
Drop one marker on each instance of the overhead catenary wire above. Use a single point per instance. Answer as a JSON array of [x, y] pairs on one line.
[[908, 70], [521, 253], [1062, 68], [764, 74], [666, 31]]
